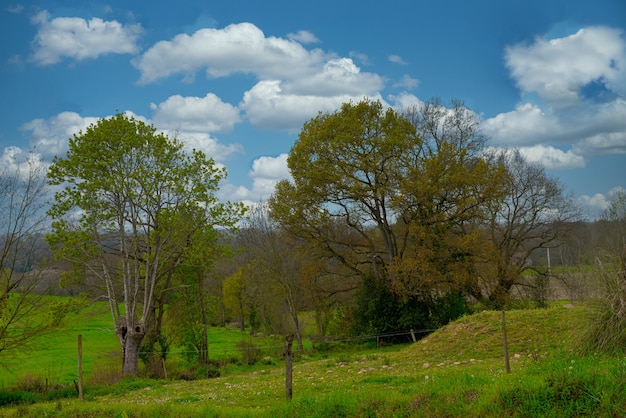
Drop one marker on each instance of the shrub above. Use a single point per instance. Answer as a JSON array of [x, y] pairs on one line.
[[18, 397], [32, 383], [250, 354]]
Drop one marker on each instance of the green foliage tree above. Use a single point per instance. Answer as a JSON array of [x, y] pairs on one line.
[[392, 195], [125, 190], [25, 311]]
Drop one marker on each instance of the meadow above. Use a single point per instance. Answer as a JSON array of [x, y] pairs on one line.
[[458, 370]]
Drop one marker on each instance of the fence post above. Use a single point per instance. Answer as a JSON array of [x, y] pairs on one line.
[[288, 366], [507, 366], [80, 367]]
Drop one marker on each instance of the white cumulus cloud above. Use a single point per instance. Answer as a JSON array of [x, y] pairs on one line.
[[237, 48], [49, 137], [195, 114], [557, 69], [552, 158], [202, 141], [580, 81], [265, 173], [80, 39], [268, 106]]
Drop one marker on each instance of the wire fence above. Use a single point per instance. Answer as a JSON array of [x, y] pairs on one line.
[[60, 366]]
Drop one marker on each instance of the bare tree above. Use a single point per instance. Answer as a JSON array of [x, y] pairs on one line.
[[534, 215], [23, 193], [274, 262]]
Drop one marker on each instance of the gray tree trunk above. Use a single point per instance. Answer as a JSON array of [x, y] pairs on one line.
[[131, 339]]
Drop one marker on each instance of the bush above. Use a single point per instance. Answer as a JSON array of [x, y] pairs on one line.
[[379, 311], [32, 383], [18, 397], [250, 354]]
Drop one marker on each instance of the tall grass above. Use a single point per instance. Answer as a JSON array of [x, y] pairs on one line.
[[606, 330]]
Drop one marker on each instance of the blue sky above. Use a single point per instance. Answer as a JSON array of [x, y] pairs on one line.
[[238, 79]]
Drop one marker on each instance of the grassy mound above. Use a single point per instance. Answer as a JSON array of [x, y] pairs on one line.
[[530, 333]]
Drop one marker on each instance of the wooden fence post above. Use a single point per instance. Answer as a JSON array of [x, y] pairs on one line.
[[507, 366], [288, 366], [80, 367]]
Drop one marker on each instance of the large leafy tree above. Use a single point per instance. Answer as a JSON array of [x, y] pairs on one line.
[[124, 190], [345, 168], [390, 194]]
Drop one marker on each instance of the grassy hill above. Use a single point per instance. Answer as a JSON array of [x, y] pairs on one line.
[[456, 371]]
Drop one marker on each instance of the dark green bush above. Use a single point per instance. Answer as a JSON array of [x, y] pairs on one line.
[[379, 311], [18, 397]]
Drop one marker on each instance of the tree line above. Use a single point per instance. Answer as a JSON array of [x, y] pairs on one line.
[[392, 219]]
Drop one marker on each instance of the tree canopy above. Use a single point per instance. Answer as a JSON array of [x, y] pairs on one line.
[[130, 201], [374, 187]]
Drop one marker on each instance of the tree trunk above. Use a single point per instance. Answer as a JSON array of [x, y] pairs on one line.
[[131, 343]]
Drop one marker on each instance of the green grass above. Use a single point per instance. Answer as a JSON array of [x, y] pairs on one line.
[[456, 371], [53, 358]]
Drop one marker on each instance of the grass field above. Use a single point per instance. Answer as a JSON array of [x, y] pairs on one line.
[[54, 357], [456, 371]]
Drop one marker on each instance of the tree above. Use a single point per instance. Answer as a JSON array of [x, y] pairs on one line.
[[25, 312], [274, 262], [615, 235], [398, 182], [125, 190], [345, 168], [533, 215], [235, 298]]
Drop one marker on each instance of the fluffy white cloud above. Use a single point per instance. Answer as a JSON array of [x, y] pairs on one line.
[[404, 100], [581, 82], [265, 173], [48, 137], [202, 141], [237, 48], [79, 39], [599, 202], [337, 76], [272, 168], [557, 69], [195, 114], [552, 158], [593, 130], [526, 125], [267, 106], [15, 160]]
